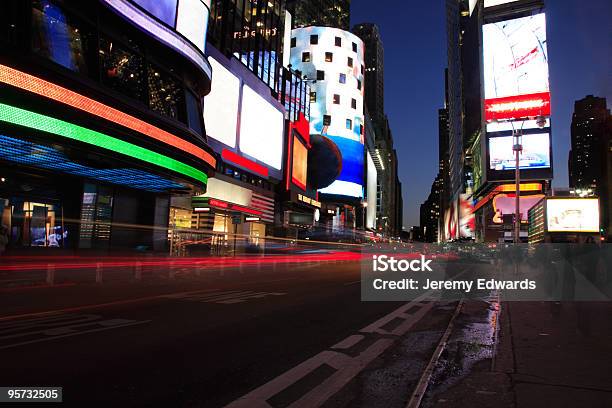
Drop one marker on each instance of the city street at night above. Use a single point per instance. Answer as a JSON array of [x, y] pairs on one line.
[[305, 203]]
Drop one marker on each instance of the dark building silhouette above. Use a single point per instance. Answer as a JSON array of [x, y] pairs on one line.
[[374, 69], [330, 13], [590, 158]]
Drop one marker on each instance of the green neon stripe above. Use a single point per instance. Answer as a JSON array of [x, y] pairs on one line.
[[59, 127]]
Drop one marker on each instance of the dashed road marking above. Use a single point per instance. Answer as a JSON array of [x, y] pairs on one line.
[[344, 365], [35, 330], [224, 297]]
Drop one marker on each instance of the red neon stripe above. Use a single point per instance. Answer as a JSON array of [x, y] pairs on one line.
[[520, 106], [55, 92], [244, 162]]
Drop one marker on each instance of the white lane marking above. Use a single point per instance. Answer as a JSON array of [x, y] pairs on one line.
[[225, 297], [38, 330], [349, 342], [347, 367]]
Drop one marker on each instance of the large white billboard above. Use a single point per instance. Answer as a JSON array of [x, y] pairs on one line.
[[516, 68], [572, 215], [535, 154], [221, 105], [261, 129]]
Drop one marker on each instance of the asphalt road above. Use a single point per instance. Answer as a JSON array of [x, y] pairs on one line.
[[201, 342]]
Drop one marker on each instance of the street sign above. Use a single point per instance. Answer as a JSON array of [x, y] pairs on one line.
[[237, 218]]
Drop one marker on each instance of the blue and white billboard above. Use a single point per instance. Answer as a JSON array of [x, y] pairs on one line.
[[334, 59]]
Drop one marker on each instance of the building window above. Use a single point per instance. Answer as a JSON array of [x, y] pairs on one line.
[[338, 42], [314, 39], [293, 42], [336, 99], [166, 96], [305, 57], [354, 47], [359, 84], [349, 62], [354, 103], [327, 120], [349, 124], [59, 38], [122, 69], [329, 56], [342, 79], [320, 75], [313, 97]]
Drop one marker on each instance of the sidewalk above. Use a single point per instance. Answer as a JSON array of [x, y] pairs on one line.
[[548, 354]]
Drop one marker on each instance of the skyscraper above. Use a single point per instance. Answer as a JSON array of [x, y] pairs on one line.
[[328, 13], [374, 69], [589, 159]]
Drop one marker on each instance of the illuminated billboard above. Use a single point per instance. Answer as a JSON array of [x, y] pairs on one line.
[[180, 24], [467, 220], [300, 163], [371, 185], [505, 204], [245, 127], [221, 105], [261, 129], [535, 154], [334, 58], [516, 68], [572, 215]]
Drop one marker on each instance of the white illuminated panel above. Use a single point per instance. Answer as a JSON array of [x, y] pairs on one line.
[[572, 215], [228, 192], [371, 186], [221, 105], [261, 129], [192, 21], [507, 126], [163, 33], [492, 3], [346, 188]]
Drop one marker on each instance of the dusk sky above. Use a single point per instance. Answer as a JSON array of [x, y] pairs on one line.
[[414, 39]]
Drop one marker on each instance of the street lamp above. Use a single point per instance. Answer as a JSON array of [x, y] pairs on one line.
[[517, 148]]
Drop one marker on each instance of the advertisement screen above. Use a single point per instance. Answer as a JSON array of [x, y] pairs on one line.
[[516, 68], [261, 129], [300, 163], [221, 105], [535, 154], [467, 220], [371, 184], [505, 204], [573, 215], [336, 109]]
